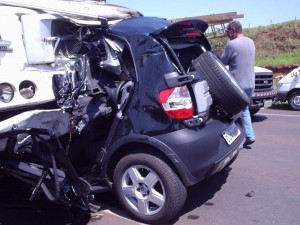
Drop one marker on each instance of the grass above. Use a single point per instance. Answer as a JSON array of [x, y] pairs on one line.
[[280, 105], [284, 58], [276, 45]]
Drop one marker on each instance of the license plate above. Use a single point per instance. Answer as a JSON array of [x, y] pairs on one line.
[[267, 103], [231, 133]]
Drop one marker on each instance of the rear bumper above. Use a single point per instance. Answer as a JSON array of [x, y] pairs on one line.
[[201, 153]]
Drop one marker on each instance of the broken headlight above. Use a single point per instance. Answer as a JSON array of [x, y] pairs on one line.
[[6, 92]]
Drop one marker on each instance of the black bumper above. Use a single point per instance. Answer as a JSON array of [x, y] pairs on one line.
[[199, 153]]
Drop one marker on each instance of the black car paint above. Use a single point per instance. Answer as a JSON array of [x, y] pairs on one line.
[[145, 124]]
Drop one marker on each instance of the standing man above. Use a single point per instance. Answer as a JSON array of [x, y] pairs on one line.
[[239, 54]]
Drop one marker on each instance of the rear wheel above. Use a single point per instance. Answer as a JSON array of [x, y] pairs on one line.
[[222, 86], [148, 188], [294, 100]]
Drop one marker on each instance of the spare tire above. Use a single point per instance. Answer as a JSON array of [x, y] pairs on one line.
[[222, 86]]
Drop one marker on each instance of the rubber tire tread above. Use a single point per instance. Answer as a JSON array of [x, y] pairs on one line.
[[222, 86], [291, 100], [176, 193]]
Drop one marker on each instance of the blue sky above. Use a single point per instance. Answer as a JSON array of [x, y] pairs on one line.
[[256, 12]]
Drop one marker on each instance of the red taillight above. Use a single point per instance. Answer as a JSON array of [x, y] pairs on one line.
[[177, 102], [185, 23], [193, 34]]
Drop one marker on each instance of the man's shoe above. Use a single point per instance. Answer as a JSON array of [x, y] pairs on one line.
[[249, 142]]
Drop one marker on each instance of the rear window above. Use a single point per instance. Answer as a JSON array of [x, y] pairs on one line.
[[187, 41], [186, 50]]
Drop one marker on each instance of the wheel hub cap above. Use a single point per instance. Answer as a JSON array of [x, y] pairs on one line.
[[297, 100], [143, 190]]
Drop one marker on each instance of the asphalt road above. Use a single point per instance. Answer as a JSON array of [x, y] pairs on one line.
[[262, 187]]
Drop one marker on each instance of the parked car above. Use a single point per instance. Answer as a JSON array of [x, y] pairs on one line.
[[288, 89], [103, 98]]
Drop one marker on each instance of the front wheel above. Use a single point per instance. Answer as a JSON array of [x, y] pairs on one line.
[[294, 100], [148, 188]]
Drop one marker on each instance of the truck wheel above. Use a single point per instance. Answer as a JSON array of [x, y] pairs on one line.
[[148, 188], [254, 111], [294, 100], [222, 86]]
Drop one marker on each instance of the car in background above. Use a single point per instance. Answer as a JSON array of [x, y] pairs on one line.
[[288, 89]]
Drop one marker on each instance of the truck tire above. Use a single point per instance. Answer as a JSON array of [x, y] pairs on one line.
[[294, 100], [254, 111], [222, 86]]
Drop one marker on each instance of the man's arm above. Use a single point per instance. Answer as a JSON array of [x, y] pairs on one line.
[[226, 56]]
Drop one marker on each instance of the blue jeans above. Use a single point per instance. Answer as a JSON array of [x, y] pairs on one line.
[[247, 118]]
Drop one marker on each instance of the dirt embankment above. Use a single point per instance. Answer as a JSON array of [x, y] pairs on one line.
[[283, 69]]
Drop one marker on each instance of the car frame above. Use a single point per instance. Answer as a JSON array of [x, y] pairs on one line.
[[128, 108]]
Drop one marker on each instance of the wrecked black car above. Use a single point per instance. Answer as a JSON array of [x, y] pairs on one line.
[[140, 106]]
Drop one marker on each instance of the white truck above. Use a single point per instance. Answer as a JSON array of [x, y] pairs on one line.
[[288, 89], [264, 94]]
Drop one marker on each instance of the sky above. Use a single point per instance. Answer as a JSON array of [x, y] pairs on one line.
[[256, 12]]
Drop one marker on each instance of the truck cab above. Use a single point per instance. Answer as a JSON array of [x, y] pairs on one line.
[[288, 89]]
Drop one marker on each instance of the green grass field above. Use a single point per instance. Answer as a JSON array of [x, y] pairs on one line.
[[276, 45]]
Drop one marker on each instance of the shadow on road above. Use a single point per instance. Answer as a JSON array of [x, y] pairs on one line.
[[201, 193], [198, 195], [275, 108], [16, 209], [258, 118]]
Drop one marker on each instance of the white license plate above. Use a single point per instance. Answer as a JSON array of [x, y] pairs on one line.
[[267, 103], [231, 133]]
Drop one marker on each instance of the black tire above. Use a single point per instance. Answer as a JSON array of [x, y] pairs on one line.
[[254, 111], [148, 188], [294, 100], [222, 86]]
